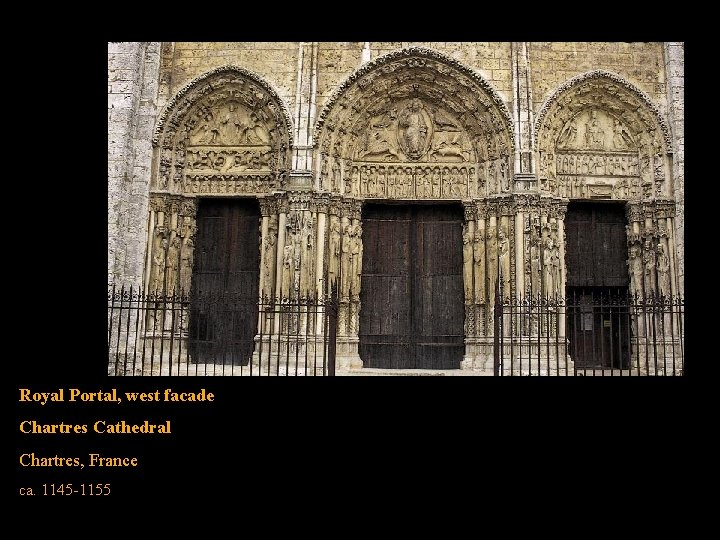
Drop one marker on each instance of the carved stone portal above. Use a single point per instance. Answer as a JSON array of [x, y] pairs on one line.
[[225, 133], [415, 125], [599, 137]]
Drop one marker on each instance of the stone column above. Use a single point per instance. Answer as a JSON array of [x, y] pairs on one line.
[[561, 212], [675, 77], [282, 221], [349, 308], [634, 238], [672, 253], [519, 252], [468, 239], [355, 271], [155, 205], [480, 269], [544, 231], [504, 253], [270, 245], [305, 106], [468, 255], [493, 276], [649, 258], [320, 204]]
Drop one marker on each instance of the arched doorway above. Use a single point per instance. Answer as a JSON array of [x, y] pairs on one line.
[[604, 146], [414, 126], [221, 148]]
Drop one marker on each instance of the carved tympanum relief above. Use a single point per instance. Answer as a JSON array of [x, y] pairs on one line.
[[601, 138], [414, 124], [225, 133]]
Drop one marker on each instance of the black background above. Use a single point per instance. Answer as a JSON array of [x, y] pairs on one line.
[[317, 444]]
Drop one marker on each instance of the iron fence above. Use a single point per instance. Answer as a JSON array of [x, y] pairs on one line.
[[219, 333], [589, 333]]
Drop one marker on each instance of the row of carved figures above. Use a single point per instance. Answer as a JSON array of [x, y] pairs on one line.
[[229, 184], [649, 266], [406, 181], [229, 160], [172, 263], [577, 187], [599, 165], [542, 258], [297, 257]]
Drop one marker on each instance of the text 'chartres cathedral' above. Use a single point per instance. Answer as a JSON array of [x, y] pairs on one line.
[[477, 207]]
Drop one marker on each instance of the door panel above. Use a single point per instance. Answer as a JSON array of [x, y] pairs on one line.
[[223, 311], [597, 328], [596, 245], [412, 292]]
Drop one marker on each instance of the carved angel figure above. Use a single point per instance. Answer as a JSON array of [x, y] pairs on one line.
[[621, 139], [567, 135]]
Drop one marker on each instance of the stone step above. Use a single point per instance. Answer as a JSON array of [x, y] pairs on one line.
[[377, 372]]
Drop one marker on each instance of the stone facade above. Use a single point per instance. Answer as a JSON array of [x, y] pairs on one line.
[[512, 130]]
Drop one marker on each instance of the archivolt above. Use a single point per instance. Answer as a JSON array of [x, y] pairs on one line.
[[215, 79], [569, 87], [466, 81]]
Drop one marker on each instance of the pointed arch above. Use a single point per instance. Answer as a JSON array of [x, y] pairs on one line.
[[599, 136], [407, 54], [213, 80], [226, 131], [414, 114], [612, 78]]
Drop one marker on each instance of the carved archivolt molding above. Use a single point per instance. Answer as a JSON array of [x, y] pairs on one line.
[[225, 132], [186, 93], [599, 137], [410, 52], [614, 77], [414, 124]]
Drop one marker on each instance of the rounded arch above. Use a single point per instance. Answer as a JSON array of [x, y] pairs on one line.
[[226, 131], [408, 112], [599, 75], [599, 136], [215, 78]]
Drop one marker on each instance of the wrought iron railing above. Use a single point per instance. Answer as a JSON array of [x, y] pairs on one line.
[[219, 333], [589, 333]]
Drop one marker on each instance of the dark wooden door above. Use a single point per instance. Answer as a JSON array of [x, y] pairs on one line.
[[596, 245], [223, 314], [597, 281], [412, 291]]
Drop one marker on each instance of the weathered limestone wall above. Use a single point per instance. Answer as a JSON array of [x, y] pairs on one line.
[[276, 62], [338, 60], [143, 77], [554, 62], [133, 76], [675, 73]]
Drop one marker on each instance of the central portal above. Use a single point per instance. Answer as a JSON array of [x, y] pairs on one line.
[[412, 287]]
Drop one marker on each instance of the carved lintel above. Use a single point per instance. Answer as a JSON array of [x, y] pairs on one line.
[[403, 123]]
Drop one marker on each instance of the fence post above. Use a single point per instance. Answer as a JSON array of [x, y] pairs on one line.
[[498, 313], [331, 312]]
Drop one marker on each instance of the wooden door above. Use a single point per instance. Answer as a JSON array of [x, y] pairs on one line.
[[225, 280], [597, 280], [596, 245], [412, 292]]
